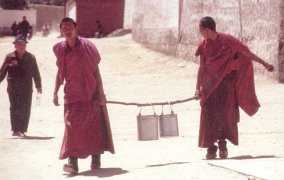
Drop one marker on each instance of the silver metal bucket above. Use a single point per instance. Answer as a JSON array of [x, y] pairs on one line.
[[147, 126], [168, 124]]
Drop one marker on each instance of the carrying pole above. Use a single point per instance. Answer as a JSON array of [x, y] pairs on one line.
[[152, 104]]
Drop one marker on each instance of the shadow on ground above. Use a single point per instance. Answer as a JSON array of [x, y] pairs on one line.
[[244, 157], [32, 138], [102, 173], [119, 32], [166, 164]]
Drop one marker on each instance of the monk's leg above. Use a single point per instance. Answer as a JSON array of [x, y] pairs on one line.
[[220, 117], [72, 166], [223, 150], [96, 161], [230, 113]]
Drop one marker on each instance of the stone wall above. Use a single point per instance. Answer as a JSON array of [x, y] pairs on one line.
[[260, 29], [191, 12], [281, 44], [255, 22], [155, 24], [129, 9]]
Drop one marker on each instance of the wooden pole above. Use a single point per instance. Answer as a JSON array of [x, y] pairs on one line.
[[152, 104]]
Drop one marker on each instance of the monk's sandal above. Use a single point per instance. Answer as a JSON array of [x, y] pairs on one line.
[[72, 166], [223, 150], [211, 152]]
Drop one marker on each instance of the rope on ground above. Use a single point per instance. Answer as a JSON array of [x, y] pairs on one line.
[[152, 104]]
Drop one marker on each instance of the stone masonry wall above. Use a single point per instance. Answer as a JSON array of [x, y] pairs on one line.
[[281, 44], [155, 24], [255, 22], [129, 8], [260, 21], [189, 38]]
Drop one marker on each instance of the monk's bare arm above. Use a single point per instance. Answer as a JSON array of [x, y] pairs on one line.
[[199, 77], [56, 89], [257, 59], [98, 77]]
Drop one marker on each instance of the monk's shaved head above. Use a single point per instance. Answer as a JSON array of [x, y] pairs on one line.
[[208, 22]]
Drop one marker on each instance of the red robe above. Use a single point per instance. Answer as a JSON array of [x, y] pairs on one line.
[[227, 83], [87, 128]]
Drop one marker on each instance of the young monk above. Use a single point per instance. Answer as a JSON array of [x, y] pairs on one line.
[[225, 82], [87, 128]]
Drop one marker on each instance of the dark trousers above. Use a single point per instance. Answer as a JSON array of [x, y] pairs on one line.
[[20, 109]]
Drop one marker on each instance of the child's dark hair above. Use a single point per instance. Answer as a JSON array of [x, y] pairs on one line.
[[67, 19], [208, 22]]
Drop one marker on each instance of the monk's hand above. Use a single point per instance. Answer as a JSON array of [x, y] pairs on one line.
[[197, 95], [103, 100], [39, 90], [268, 67], [55, 100]]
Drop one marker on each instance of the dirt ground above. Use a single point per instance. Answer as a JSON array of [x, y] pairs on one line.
[[132, 73]]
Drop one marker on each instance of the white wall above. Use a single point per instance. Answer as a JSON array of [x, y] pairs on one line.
[[71, 10], [155, 24], [72, 13], [158, 13], [7, 17], [129, 9]]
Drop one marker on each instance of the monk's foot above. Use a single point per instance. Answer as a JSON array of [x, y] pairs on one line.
[[211, 152], [16, 133], [223, 150], [96, 161], [23, 134], [72, 166]]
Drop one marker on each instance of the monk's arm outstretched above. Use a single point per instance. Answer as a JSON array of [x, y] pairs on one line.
[[257, 59]]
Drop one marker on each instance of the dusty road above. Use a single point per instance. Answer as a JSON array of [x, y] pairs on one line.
[[132, 73]]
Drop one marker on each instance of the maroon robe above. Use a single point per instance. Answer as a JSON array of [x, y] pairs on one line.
[[87, 128], [227, 83]]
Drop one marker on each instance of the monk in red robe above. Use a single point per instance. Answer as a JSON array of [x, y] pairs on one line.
[[225, 82], [87, 128]]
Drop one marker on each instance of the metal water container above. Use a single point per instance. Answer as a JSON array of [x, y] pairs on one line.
[[168, 124], [147, 125]]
